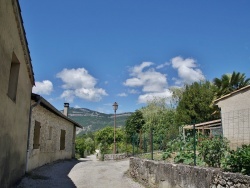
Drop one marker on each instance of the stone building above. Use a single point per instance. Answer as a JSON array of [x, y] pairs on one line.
[[52, 134], [16, 81], [235, 116]]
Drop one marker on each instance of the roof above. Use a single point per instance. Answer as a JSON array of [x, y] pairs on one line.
[[205, 125], [23, 39], [232, 93], [51, 108]]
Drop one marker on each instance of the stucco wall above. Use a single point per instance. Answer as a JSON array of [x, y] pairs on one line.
[[49, 149], [14, 116], [166, 175], [237, 101], [235, 112]]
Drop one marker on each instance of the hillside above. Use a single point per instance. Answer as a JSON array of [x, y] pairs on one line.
[[93, 120]]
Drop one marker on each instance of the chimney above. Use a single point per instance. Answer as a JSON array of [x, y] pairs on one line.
[[66, 109]]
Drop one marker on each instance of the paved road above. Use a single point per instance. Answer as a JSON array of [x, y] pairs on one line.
[[87, 172]]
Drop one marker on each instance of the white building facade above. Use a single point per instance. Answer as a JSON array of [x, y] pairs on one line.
[[235, 115]]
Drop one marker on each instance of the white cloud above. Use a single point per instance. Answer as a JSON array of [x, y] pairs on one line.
[[153, 83], [150, 96], [163, 65], [76, 78], [133, 91], [92, 94], [133, 82], [187, 70], [79, 83], [68, 95], [138, 69], [150, 80], [43, 88], [122, 95]]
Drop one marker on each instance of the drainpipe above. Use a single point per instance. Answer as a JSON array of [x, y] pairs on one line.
[[28, 141]]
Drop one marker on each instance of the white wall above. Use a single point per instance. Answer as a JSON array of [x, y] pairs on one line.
[[235, 111]]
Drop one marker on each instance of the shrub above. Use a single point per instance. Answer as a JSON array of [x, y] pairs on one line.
[[238, 161], [166, 155], [186, 157], [212, 150], [80, 147]]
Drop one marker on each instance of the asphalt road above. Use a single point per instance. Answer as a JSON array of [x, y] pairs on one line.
[[84, 173]]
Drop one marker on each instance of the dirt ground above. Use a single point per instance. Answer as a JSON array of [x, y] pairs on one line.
[[87, 172]]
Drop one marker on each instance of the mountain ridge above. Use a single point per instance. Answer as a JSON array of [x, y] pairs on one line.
[[92, 120]]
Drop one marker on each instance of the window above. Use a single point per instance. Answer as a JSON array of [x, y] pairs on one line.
[[50, 133], [13, 78], [62, 140], [36, 138]]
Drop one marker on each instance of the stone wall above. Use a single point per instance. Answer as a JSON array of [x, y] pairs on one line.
[[108, 157], [166, 175], [49, 149]]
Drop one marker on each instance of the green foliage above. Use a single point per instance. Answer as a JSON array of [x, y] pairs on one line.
[[183, 151], [166, 155], [195, 103], [104, 147], [105, 137], [80, 146], [238, 161], [160, 117], [85, 143], [152, 113], [186, 157], [212, 150], [229, 83], [176, 96], [134, 124], [90, 145]]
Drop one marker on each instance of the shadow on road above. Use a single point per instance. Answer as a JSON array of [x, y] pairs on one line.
[[51, 175]]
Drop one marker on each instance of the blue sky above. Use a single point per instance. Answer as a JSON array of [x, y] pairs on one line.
[[93, 53]]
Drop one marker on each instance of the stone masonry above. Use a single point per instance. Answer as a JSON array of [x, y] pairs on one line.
[[49, 149], [166, 175]]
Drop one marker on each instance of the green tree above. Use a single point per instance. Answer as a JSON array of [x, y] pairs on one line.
[[160, 117], [229, 83], [134, 123], [196, 103], [105, 137], [90, 145], [177, 93], [152, 111], [80, 146]]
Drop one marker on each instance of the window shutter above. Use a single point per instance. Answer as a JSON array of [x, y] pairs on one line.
[[36, 139], [62, 140]]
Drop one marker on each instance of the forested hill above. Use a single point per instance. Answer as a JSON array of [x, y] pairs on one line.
[[93, 120]]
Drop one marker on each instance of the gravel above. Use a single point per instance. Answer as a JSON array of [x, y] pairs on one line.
[[86, 172]]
